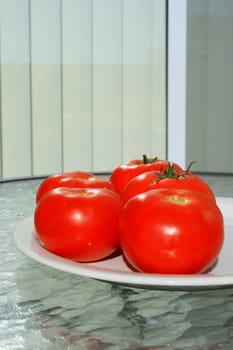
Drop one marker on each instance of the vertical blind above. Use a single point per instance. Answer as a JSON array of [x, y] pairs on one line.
[[83, 84]]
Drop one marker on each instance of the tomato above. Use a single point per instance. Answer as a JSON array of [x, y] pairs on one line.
[[76, 179], [79, 224], [170, 231], [121, 175], [170, 179]]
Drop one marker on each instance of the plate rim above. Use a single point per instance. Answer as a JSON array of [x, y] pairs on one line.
[[132, 278]]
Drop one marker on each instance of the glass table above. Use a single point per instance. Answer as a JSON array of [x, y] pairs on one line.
[[43, 308]]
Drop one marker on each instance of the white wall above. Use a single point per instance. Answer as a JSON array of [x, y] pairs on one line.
[[83, 84]]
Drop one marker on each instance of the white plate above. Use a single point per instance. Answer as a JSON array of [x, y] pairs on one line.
[[116, 270]]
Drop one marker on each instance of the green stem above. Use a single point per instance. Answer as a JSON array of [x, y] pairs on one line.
[[147, 160], [170, 173], [190, 165]]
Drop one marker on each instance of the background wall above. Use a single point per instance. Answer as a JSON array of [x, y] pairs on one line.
[[83, 84], [210, 84]]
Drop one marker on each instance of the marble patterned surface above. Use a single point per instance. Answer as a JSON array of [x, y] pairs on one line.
[[42, 308]]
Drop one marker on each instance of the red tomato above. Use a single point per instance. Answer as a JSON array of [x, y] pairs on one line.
[[153, 180], [79, 224], [76, 179], [171, 231], [121, 175]]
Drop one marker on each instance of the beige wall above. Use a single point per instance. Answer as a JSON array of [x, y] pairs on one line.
[[83, 84]]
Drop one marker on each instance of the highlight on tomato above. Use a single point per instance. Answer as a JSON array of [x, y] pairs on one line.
[[171, 178], [170, 231], [72, 179], [79, 224], [122, 174]]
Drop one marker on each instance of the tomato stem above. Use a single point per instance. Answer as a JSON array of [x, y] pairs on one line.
[[170, 173], [147, 160], [190, 165]]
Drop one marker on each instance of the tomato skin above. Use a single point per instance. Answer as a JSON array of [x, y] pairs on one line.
[[122, 174], [75, 179], [79, 224], [171, 231], [152, 180]]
